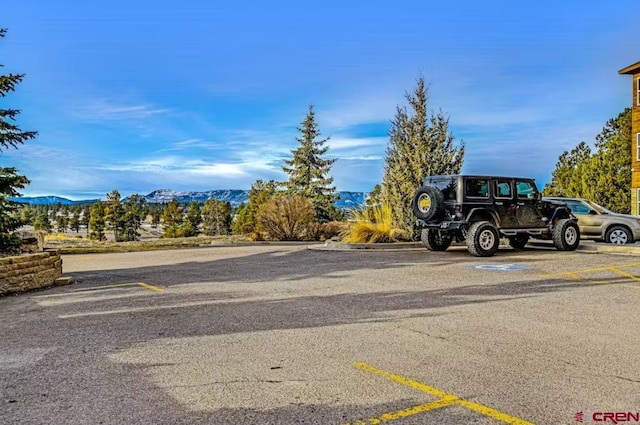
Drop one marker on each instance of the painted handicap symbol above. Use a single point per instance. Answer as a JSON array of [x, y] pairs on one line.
[[501, 267]]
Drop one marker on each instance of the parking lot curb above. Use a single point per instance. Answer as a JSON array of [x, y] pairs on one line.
[[613, 249], [395, 246], [343, 246], [583, 247]]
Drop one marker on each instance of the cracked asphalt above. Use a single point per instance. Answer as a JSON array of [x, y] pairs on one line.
[[271, 334]]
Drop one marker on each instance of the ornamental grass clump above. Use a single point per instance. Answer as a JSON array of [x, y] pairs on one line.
[[373, 225]]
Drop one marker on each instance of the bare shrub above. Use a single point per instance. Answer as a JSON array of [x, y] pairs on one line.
[[287, 218], [332, 229]]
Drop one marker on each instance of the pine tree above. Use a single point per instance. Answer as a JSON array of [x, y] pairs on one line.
[[308, 170], [74, 223], [11, 136], [86, 215], [114, 213], [246, 221], [216, 217], [603, 176], [192, 221], [42, 222], [172, 218], [156, 211], [134, 212], [27, 215], [97, 221], [420, 145], [62, 223], [566, 178]]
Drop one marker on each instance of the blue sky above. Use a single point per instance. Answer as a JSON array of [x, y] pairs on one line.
[[138, 95]]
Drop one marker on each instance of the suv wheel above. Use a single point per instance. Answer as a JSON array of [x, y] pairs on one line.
[[428, 203], [483, 239], [566, 235], [435, 240], [618, 235], [518, 241]]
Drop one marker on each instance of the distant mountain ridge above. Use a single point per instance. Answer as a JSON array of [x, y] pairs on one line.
[[49, 200], [235, 197]]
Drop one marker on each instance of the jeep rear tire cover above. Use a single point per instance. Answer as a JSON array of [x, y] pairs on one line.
[[428, 203]]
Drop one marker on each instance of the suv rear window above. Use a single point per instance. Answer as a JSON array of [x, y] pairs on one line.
[[447, 187]]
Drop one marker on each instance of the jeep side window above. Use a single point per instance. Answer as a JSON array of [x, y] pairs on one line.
[[526, 190], [502, 189], [476, 188]]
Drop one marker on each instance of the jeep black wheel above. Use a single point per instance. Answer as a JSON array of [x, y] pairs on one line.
[[566, 235], [428, 203], [518, 241], [435, 240], [483, 239]]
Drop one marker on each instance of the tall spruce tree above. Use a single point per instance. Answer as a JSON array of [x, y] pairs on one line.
[[309, 170], [420, 145], [192, 220], [97, 221], [172, 219], [11, 136], [134, 213], [114, 214], [216, 218]]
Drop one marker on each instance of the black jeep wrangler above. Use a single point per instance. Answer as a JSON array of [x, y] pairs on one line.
[[481, 209]]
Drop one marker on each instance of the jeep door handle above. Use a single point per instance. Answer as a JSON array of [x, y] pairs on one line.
[[520, 203], [499, 203]]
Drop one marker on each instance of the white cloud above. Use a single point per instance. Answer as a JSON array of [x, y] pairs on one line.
[[107, 110], [344, 143], [178, 165], [192, 144]]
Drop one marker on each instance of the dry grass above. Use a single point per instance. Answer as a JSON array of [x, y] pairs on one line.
[[56, 237], [373, 225], [84, 246]]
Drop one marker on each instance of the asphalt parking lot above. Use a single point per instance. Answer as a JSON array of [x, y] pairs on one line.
[[274, 334]]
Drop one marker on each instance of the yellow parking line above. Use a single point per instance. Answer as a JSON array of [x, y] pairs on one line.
[[151, 287], [120, 285], [450, 399], [421, 408], [623, 273], [594, 269], [575, 276], [401, 380]]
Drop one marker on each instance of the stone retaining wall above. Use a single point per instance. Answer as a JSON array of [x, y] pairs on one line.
[[27, 272]]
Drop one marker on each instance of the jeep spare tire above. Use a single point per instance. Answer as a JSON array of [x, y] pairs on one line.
[[428, 203]]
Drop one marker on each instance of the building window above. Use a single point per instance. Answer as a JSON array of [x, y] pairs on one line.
[[638, 147], [638, 91], [637, 202]]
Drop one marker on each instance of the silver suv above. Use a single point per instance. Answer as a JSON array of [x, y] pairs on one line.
[[599, 224]]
